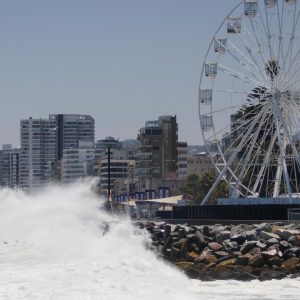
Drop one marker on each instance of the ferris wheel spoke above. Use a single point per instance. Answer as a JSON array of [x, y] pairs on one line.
[[265, 164], [290, 139], [228, 131], [231, 159], [281, 168], [252, 144], [280, 23], [292, 70], [293, 82], [266, 30], [252, 93], [286, 75], [237, 75], [294, 28], [249, 150], [251, 61], [258, 44], [256, 175], [289, 52]]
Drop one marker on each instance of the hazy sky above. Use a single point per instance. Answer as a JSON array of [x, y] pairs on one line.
[[122, 61]]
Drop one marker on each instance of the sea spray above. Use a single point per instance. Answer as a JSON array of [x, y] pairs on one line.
[[52, 246]]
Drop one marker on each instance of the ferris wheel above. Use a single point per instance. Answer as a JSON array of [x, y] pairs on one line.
[[249, 100]]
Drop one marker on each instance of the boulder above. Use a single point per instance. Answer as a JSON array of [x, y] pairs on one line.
[[283, 245], [167, 242], [242, 228], [199, 236], [254, 251], [191, 256], [275, 261], [227, 262], [242, 260], [215, 246], [269, 254], [295, 240], [264, 235], [222, 236], [290, 264], [167, 231], [274, 246], [231, 246], [181, 233], [175, 253], [268, 274], [239, 237], [247, 246], [261, 245], [206, 257], [251, 235], [256, 261], [262, 227], [285, 234], [272, 241], [179, 243], [275, 228], [205, 231], [224, 272], [191, 237], [293, 250], [220, 254]]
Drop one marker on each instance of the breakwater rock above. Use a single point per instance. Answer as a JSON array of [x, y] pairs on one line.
[[243, 252]]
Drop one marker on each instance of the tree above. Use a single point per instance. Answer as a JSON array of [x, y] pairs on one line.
[[197, 187], [272, 68], [191, 188]]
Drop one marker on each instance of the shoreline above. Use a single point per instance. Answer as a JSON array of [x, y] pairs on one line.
[[222, 252]]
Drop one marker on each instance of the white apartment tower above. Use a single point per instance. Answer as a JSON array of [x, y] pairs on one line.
[[38, 152]]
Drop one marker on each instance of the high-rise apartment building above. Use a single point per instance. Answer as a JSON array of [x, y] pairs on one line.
[[43, 142], [72, 128], [9, 166], [38, 152], [157, 157]]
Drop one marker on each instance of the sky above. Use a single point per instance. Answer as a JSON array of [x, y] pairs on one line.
[[122, 61]]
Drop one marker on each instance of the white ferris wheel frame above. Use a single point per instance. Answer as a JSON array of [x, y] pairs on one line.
[[277, 87]]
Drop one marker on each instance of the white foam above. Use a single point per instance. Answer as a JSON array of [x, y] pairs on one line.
[[52, 247]]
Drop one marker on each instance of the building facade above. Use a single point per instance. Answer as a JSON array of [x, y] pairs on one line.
[[121, 172], [200, 164], [182, 155], [38, 153], [157, 157], [78, 163], [9, 167], [72, 128]]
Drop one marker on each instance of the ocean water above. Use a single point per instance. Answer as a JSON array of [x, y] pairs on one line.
[[53, 245]]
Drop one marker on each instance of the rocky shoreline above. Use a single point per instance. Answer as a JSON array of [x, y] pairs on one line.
[[241, 252]]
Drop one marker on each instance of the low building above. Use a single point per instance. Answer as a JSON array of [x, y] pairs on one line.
[[200, 164], [120, 170]]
